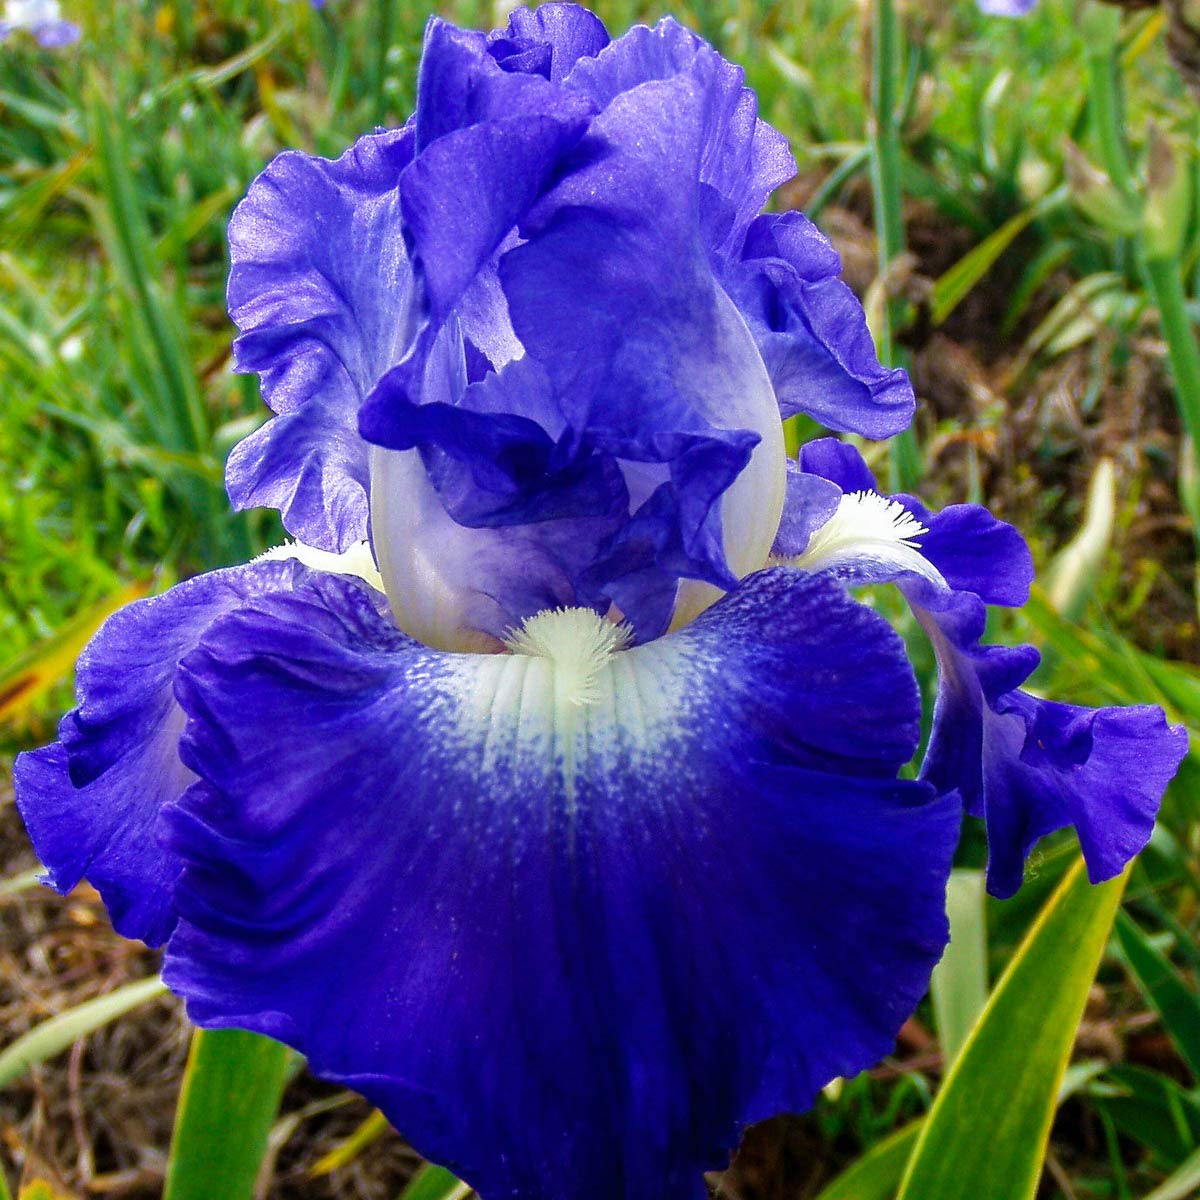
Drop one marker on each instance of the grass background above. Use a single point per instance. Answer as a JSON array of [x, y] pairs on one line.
[[120, 161]]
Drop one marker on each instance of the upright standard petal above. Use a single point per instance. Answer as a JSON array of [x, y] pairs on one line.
[[613, 294], [587, 906], [813, 333], [92, 802], [639, 405], [323, 296], [550, 39], [743, 159], [1027, 766]]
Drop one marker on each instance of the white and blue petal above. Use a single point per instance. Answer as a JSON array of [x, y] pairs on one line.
[[324, 298], [42, 19], [639, 399], [572, 914]]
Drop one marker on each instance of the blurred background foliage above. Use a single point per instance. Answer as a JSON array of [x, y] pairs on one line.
[[1020, 302]]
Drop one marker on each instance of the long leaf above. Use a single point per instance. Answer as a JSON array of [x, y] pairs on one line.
[[875, 1175], [985, 1137], [1176, 1003], [59, 1033], [345, 1152], [230, 1095], [51, 660], [959, 984], [953, 286]]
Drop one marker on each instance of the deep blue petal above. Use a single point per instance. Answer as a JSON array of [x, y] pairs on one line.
[[612, 293], [463, 82], [975, 552], [466, 191], [971, 677], [564, 963], [1027, 766], [1101, 770], [323, 296], [1030, 766], [839, 462], [812, 332], [92, 801]]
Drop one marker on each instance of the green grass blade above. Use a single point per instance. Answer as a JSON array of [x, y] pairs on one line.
[[1176, 1003], [1183, 1183], [953, 287], [230, 1095], [53, 660], [985, 1137], [435, 1183], [959, 986], [346, 1151], [59, 1033], [875, 1175]]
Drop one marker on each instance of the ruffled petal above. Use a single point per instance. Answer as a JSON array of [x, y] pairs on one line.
[[639, 405], [1030, 766], [92, 801], [812, 331], [467, 190], [1027, 766], [561, 33], [975, 552], [323, 295], [569, 922], [1101, 770], [743, 159]]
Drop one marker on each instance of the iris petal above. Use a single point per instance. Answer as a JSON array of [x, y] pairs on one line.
[[1027, 766], [569, 32], [1030, 766], [323, 296], [812, 331], [569, 941], [743, 159], [92, 801]]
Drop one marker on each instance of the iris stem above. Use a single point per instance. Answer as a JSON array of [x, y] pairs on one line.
[[887, 50]]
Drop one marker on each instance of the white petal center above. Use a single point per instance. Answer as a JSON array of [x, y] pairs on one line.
[[577, 642], [869, 530]]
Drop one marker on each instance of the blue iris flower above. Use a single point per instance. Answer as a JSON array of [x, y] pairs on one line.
[[548, 790], [40, 18]]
